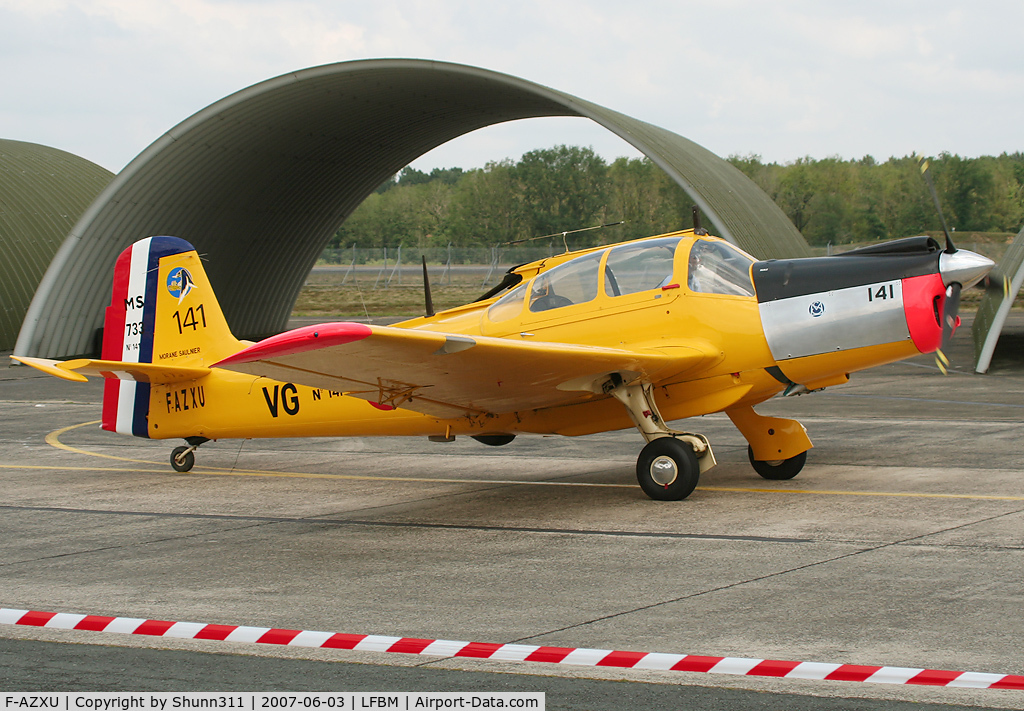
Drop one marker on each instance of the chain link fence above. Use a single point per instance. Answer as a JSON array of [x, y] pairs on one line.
[[402, 266], [390, 267]]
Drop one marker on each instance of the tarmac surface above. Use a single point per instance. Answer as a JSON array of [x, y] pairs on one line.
[[901, 543]]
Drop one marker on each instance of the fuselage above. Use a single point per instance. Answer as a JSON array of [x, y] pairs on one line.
[[807, 324]]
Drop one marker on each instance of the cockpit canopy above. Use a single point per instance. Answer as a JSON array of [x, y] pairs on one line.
[[715, 267], [719, 268]]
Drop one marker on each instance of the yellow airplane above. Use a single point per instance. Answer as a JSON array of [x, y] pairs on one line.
[[640, 333]]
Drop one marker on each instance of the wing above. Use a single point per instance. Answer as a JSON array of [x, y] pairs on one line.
[[450, 375]]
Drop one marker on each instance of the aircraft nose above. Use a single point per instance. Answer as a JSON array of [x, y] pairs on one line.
[[963, 267]]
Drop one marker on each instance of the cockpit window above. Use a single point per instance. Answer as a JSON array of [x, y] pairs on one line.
[[574, 282], [508, 306], [640, 266], [719, 268]]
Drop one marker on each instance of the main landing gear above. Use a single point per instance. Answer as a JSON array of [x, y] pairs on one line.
[[667, 469], [671, 463], [184, 458]]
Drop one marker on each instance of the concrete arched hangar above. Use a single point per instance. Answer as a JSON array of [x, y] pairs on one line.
[[260, 180], [43, 191]]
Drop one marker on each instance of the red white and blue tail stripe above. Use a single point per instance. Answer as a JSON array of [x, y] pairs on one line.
[[128, 330]]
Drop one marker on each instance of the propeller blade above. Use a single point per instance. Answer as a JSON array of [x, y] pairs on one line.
[[950, 321], [427, 298], [924, 164]]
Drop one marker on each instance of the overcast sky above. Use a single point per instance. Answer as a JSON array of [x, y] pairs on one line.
[[781, 79]]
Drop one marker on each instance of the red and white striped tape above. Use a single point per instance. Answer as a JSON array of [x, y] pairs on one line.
[[514, 652]]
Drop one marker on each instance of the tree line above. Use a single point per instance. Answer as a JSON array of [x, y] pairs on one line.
[[564, 188]]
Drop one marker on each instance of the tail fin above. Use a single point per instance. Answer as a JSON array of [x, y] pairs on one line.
[[162, 311]]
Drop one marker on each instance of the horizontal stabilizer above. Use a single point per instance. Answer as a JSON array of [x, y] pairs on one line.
[[76, 370]]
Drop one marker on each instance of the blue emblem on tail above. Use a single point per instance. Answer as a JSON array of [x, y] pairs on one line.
[[817, 309], [179, 283]]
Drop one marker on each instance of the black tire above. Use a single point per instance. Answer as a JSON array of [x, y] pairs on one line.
[[667, 469], [777, 470], [187, 462], [495, 440]]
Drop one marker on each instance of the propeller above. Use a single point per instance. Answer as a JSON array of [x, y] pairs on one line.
[[950, 320], [924, 164]]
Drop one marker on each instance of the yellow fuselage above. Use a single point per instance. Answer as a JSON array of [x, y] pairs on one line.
[[726, 328]]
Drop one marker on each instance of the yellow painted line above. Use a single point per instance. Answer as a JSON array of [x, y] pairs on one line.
[[53, 439]]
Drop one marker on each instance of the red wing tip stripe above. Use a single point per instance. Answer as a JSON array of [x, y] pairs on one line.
[[514, 652], [298, 340]]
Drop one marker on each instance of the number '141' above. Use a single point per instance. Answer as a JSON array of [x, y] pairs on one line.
[[194, 318], [885, 291]]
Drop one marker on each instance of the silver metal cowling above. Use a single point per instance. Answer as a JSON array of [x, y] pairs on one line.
[[829, 321]]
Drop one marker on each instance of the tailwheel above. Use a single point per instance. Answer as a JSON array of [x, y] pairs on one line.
[[777, 469], [183, 458], [667, 469]]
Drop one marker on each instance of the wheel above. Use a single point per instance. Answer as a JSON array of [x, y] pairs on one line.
[[777, 469], [667, 469], [182, 459], [495, 440]]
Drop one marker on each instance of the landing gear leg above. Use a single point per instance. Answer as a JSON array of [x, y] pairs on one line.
[[184, 458], [671, 464]]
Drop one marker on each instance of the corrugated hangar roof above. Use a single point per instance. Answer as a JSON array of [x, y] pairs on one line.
[[260, 180], [43, 192]]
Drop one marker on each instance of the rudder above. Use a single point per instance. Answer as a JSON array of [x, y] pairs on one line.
[[162, 310]]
